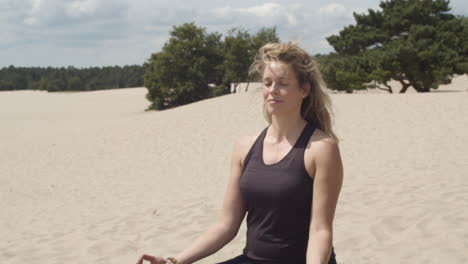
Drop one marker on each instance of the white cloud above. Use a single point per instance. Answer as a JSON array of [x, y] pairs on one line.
[[80, 8], [223, 11], [333, 9], [35, 5], [267, 9], [31, 18], [30, 21], [269, 13]]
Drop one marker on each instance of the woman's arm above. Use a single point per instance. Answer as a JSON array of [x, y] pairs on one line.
[[328, 180], [230, 218]]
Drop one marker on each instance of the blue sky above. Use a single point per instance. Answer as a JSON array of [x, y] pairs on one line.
[[85, 33]]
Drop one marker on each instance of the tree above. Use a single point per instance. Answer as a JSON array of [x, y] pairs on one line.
[[240, 48], [182, 71], [237, 57], [462, 66], [416, 42], [263, 36], [343, 72]]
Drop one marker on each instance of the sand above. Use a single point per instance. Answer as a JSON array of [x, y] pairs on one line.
[[92, 178]]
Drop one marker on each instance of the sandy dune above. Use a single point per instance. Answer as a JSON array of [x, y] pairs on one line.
[[92, 178]]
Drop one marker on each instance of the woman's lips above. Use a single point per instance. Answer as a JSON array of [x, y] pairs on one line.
[[272, 101]]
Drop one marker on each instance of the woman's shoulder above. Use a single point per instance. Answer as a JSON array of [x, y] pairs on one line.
[[321, 142], [321, 147], [319, 137]]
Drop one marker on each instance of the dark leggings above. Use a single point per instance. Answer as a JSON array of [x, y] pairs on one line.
[[243, 259]]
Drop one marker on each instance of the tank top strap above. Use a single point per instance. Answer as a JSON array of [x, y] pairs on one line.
[[304, 139], [255, 146]]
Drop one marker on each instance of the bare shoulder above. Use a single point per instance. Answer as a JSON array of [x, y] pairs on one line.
[[320, 141], [320, 148]]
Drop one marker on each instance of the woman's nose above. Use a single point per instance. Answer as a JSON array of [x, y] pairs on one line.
[[273, 88]]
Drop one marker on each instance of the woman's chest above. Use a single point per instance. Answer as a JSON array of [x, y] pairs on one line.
[[278, 185]]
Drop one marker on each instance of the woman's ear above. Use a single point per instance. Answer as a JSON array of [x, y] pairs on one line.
[[306, 88]]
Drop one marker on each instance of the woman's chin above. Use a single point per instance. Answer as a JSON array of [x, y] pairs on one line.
[[276, 112]]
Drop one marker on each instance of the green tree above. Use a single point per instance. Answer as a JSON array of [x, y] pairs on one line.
[[182, 71], [416, 42], [343, 72], [75, 84], [237, 57], [263, 36], [462, 66], [240, 49]]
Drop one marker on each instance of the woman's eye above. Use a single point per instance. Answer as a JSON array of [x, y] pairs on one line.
[[268, 83]]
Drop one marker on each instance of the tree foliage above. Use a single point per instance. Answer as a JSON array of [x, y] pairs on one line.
[[343, 72], [70, 78], [195, 65], [417, 42], [462, 67], [240, 48], [182, 71]]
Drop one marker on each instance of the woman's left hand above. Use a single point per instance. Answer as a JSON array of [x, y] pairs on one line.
[[153, 260]]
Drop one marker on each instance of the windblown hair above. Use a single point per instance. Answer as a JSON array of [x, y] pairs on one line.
[[316, 107]]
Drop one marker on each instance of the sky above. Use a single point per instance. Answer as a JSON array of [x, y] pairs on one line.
[[85, 33]]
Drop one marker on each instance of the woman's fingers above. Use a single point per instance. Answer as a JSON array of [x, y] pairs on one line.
[[149, 258], [152, 259]]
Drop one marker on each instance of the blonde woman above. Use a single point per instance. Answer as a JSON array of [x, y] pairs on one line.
[[287, 179]]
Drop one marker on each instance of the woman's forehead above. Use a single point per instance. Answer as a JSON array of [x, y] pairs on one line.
[[278, 70]]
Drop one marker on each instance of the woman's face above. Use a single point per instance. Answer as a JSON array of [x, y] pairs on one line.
[[282, 92]]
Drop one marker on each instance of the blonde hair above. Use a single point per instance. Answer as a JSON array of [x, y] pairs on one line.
[[316, 106]]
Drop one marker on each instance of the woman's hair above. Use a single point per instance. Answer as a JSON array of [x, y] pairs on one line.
[[316, 107]]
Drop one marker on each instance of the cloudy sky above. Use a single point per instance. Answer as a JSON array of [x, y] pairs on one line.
[[85, 33]]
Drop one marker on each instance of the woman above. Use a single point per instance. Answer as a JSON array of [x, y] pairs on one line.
[[287, 179]]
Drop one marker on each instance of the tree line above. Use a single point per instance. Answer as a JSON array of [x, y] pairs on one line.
[[70, 78]]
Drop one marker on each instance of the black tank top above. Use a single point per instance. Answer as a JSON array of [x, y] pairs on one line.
[[278, 199]]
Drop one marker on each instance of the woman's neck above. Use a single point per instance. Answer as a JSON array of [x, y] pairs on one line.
[[285, 128]]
